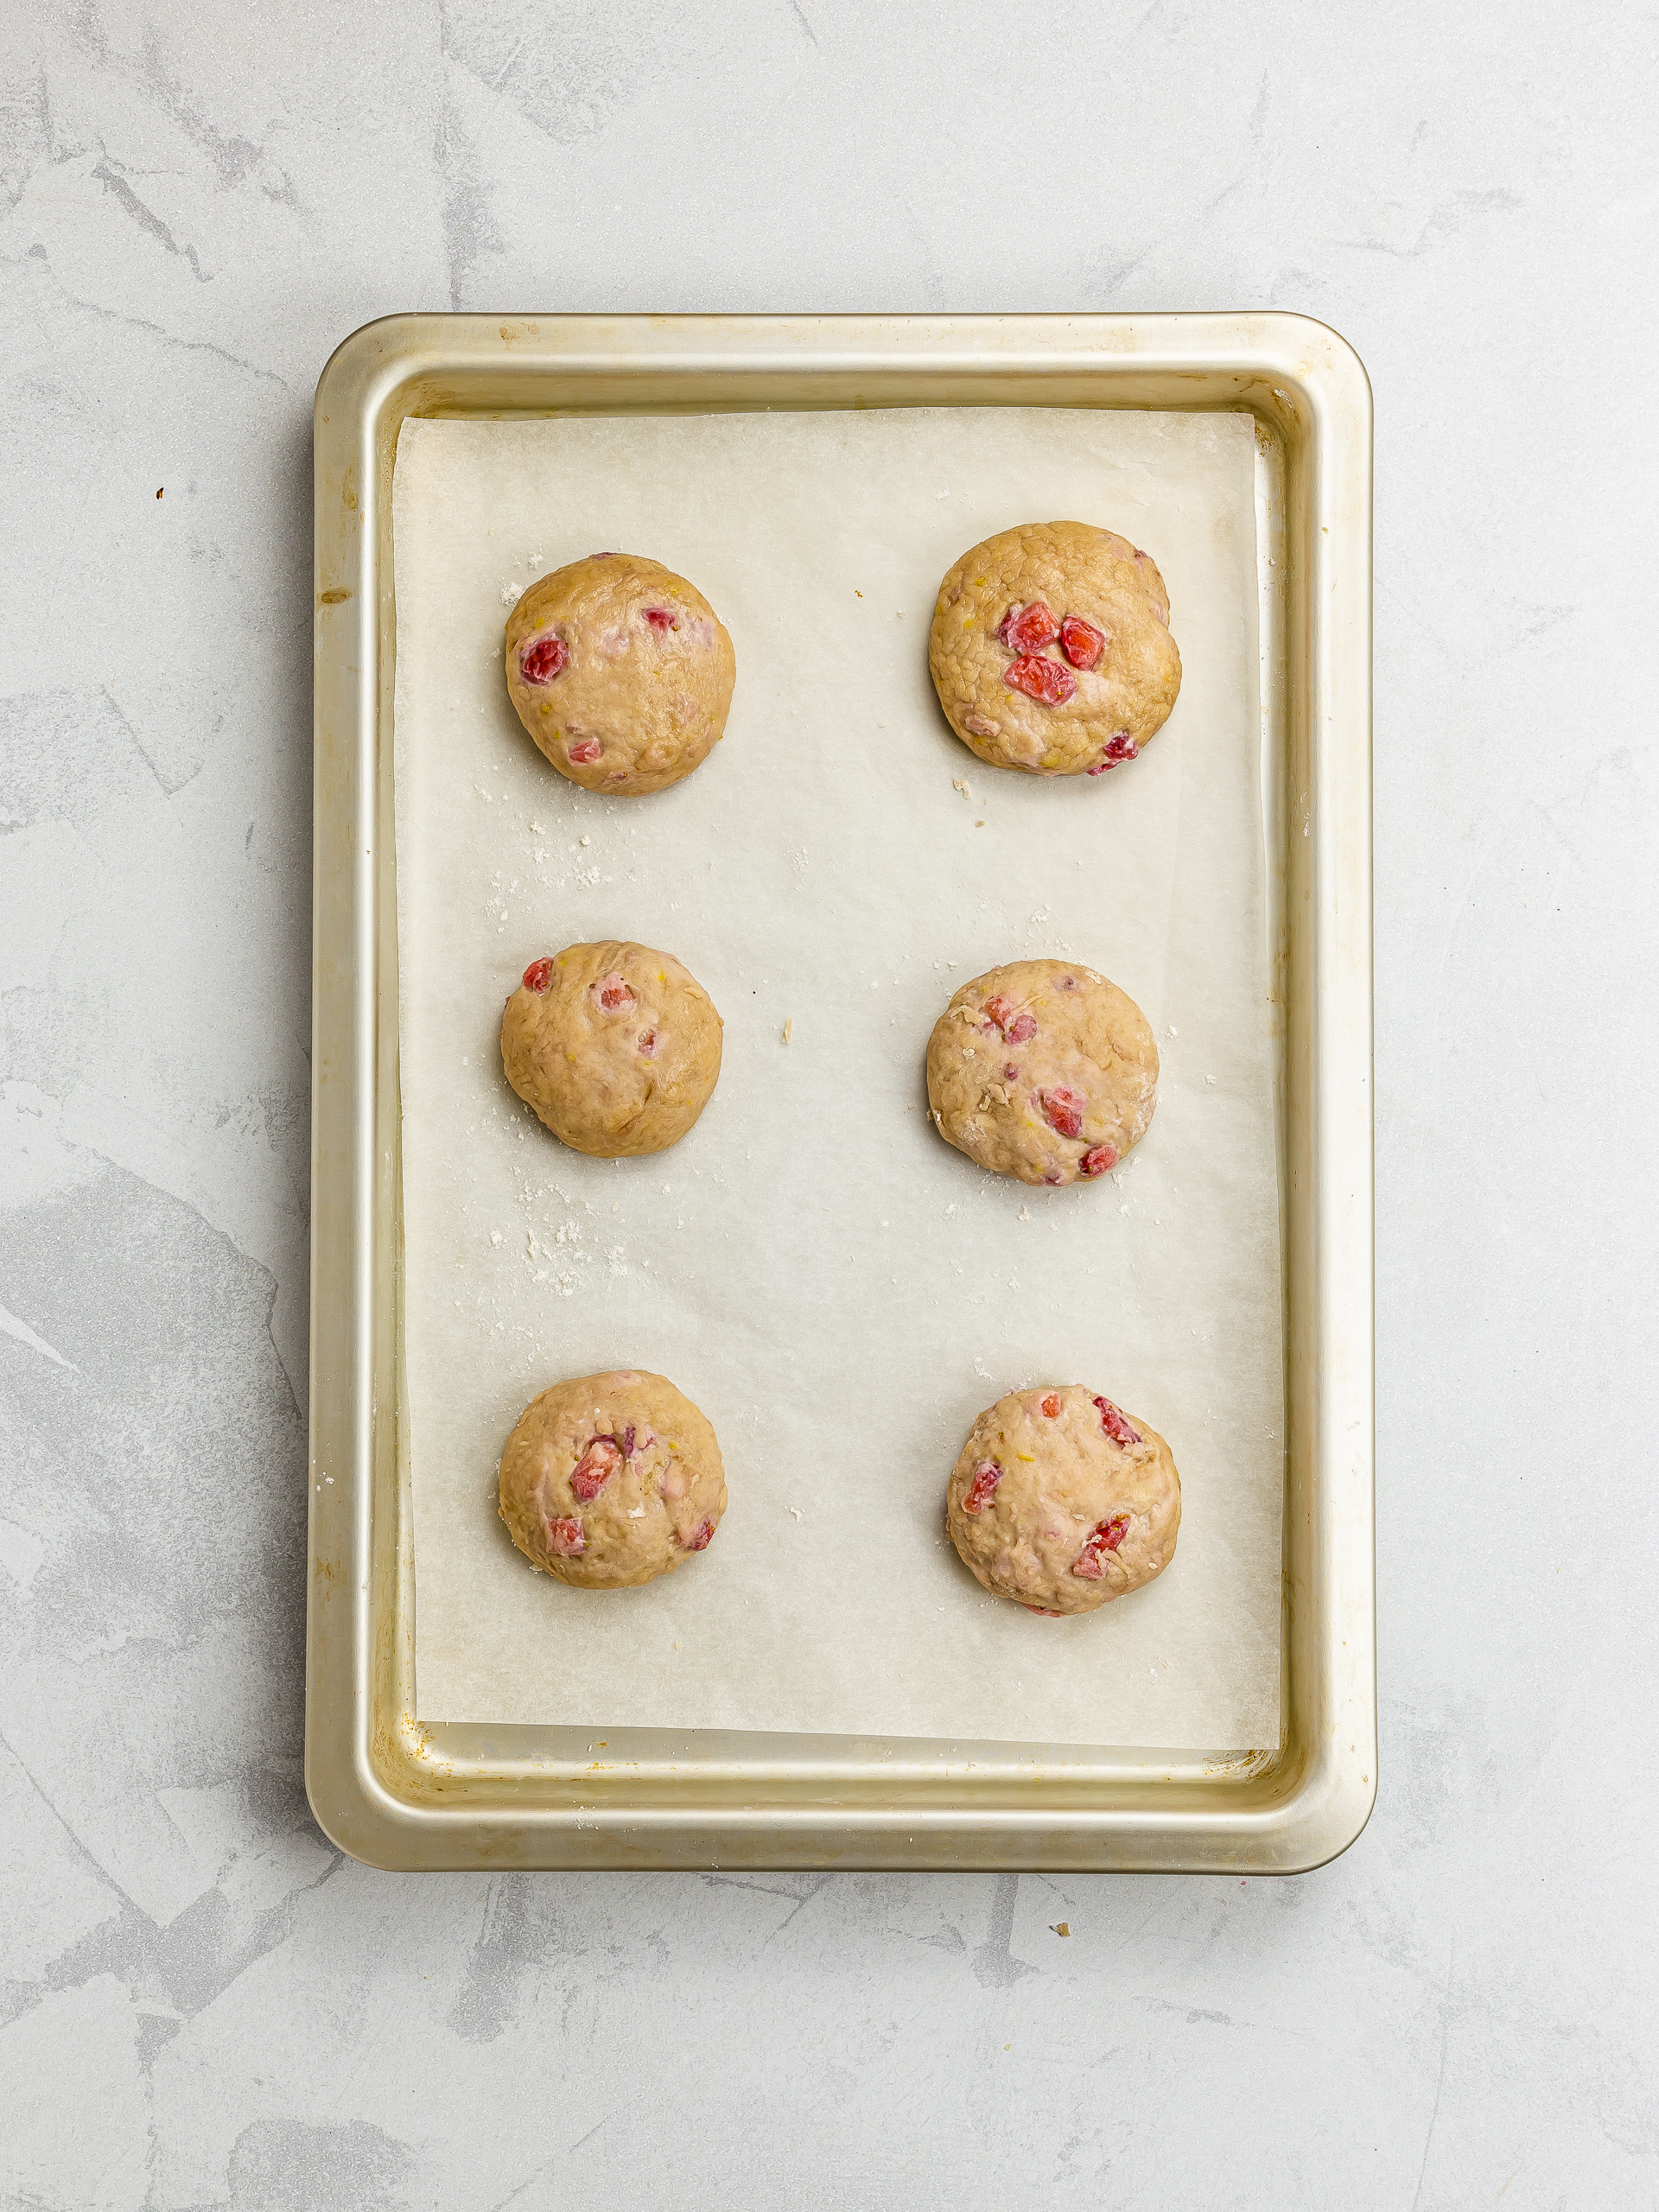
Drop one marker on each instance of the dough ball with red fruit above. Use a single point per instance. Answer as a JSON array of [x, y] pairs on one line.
[[1062, 1502], [621, 672], [1043, 1071], [617, 1048], [1050, 649], [611, 1480]]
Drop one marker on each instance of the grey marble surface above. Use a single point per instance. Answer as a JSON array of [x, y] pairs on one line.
[[203, 2004]]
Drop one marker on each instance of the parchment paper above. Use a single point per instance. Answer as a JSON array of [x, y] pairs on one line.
[[837, 1289]]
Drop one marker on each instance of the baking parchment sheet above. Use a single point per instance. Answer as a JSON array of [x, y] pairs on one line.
[[837, 1289]]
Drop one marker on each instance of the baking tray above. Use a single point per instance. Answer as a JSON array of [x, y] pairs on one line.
[[398, 1792]]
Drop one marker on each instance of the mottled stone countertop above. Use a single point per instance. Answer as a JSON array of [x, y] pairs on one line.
[[201, 2003]]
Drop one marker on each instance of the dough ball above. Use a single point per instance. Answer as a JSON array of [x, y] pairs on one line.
[[620, 672], [1044, 1071], [616, 1046], [1050, 649], [1062, 1503], [612, 1480]]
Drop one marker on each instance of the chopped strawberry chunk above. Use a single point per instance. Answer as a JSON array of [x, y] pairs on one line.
[[1046, 681], [1081, 643], [1098, 1159], [999, 1010], [1051, 1406], [1123, 746], [565, 1537], [627, 1441], [1032, 628], [1105, 1536], [662, 618], [595, 1467], [701, 1537], [538, 974], [648, 1045], [987, 1476], [540, 662], [584, 752], [1062, 1110], [1021, 1030], [1010, 1069], [1114, 1425], [614, 994]]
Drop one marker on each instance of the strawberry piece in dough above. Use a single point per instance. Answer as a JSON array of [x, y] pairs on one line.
[[1043, 680], [540, 662], [662, 618], [1097, 1160], [595, 1467], [1114, 1425], [565, 1538], [1021, 1029], [1062, 1110], [584, 752], [982, 1487], [614, 995], [700, 1538], [1081, 643], [1106, 1536], [538, 976], [1032, 628], [1051, 1406]]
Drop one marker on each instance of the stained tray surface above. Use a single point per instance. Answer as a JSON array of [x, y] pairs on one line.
[[401, 1788]]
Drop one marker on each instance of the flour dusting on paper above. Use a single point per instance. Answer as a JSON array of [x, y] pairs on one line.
[[839, 1290]]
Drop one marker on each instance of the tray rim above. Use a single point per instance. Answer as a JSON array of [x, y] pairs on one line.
[[400, 1793]]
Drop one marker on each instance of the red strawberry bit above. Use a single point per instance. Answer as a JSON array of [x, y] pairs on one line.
[[1114, 1425], [1051, 1406], [542, 662], [1033, 628], [987, 1476], [1105, 1536], [595, 1468], [613, 994], [1010, 1069], [1046, 681], [1098, 1159], [1081, 643], [1062, 1110], [1122, 747], [999, 1011], [701, 1538], [1068, 983], [662, 618], [1054, 1176], [627, 1441], [538, 974], [584, 752], [648, 1045], [565, 1538], [1021, 1030]]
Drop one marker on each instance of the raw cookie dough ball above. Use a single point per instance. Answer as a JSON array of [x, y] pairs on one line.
[[1050, 649], [616, 1046], [612, 1480], [1042, 1070], [620, 672], [1062, 1503]]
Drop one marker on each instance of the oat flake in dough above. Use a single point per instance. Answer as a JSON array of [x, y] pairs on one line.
[[617, 1048], [1043, 1071], [1062, 1502], [622, 672], [611, 1480], [1050, 650]]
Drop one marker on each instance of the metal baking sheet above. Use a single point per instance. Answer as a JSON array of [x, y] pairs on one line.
[[403, 1793]]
